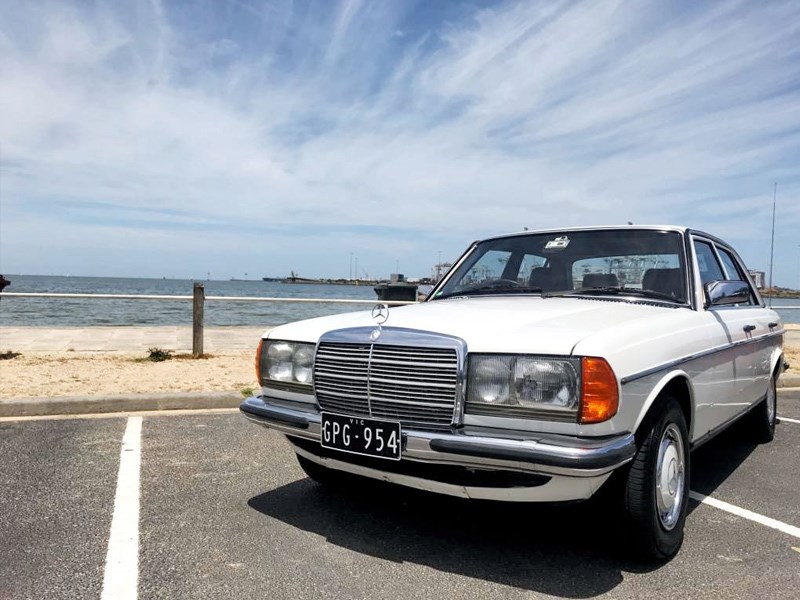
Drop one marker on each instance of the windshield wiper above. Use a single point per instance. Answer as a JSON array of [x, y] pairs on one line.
[[496, 288], [614, 291], [649, 294]]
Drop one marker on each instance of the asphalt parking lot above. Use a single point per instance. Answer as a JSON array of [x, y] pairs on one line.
[[225, 512]]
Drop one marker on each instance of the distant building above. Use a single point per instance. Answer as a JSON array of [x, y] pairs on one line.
[[758, 278]]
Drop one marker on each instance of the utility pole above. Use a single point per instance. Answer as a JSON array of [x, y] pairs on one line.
[[351, 267]]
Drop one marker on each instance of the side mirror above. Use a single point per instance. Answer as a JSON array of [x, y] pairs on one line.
[[721, 293]]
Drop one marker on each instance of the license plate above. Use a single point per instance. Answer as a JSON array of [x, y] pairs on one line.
[[369, 437]]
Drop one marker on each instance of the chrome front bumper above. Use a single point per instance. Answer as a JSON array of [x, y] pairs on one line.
[[476, 448]]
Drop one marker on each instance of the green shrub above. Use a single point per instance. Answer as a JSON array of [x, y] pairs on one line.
[[158, 355]]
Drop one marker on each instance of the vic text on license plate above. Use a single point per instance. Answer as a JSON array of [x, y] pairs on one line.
[[361, 436]]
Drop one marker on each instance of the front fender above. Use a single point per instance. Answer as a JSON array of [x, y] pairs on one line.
[[656, 390]]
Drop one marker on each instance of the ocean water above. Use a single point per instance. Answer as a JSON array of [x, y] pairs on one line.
[[84, 312]]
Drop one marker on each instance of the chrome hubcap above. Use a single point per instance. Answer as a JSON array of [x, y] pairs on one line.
[[670, 477], [771, 402]]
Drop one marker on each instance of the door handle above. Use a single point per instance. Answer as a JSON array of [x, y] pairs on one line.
[[749, 328], [772, 325]]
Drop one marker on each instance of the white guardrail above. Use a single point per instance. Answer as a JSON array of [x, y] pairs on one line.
[[225, 298], [198, 299]]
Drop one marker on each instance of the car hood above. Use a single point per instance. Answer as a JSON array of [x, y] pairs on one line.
[[528, 324]]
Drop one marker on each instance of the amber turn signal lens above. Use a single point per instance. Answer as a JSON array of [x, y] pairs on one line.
[[599, 392], [258, 360]]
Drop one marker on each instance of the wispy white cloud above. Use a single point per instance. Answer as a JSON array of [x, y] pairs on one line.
[[389, 129]]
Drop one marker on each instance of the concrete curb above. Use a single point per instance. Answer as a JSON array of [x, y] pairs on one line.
[[81, 405], [789, 381]]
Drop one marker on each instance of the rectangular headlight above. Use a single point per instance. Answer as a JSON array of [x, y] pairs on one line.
[[286, 365], [523, 386]]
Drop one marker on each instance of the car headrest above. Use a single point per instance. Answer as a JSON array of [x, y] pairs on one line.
[[591, 280], [664, 281]]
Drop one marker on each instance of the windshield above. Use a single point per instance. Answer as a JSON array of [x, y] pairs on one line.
[[646, 264]]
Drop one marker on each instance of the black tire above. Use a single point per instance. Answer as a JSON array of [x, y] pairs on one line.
[[762, 419], [655, 518], [323, 475]]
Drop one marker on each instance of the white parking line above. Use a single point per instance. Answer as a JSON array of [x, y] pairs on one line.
[[788, 420], [121, 578], [747, 514]]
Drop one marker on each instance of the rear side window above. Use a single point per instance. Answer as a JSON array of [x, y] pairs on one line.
[[734, 270], [710, 269], [730, 265]]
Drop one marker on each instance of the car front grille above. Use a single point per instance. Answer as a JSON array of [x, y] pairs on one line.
[[413, 385]]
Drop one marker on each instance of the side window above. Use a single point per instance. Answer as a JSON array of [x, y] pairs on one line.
[[710, 268]]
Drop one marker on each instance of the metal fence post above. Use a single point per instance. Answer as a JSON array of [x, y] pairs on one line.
[[198, 299]]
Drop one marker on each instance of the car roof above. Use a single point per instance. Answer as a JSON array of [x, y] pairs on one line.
[[675, 228]]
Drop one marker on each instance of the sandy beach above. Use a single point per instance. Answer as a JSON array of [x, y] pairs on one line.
[[39, 375], [122, 368]]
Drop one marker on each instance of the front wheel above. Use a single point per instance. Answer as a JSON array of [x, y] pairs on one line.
[[657, 487]]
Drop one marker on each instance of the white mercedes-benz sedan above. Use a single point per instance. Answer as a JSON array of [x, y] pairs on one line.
[[543, 366]]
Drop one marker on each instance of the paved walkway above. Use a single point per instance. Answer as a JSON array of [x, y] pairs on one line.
[[125, 339]]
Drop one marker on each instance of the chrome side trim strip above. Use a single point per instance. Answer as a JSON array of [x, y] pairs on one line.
[[690, 357]]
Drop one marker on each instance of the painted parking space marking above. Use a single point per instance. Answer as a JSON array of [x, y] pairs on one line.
[[120, 581], [746, 514], [788, 420]]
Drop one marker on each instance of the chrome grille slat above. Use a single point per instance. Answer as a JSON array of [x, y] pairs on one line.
[[344, 376], [428, 372], [394, 400], [347, 406], [412, 384], [345, 395], [379, 390], [379, 380]]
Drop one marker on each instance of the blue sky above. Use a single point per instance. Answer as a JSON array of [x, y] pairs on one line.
[[180, 138]]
